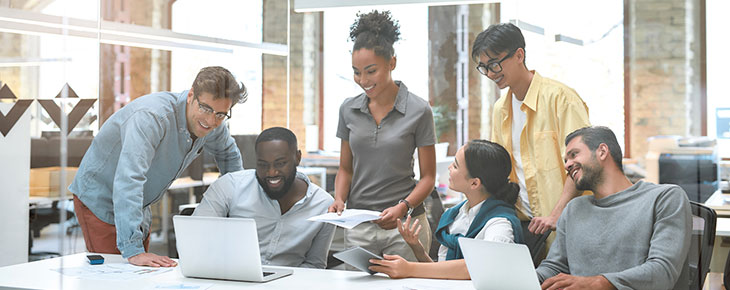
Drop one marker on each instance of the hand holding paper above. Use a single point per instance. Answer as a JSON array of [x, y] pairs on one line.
[[349, 218]]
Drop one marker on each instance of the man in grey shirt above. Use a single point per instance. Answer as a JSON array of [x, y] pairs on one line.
[[279, 199], [625, 236]]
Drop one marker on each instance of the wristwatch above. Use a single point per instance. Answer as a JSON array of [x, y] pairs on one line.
[[408, 205]]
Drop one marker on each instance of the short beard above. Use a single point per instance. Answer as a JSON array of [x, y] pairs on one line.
[[591, 176], [276, 195]]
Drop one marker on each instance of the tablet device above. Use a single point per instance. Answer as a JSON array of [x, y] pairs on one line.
[[358, 258]]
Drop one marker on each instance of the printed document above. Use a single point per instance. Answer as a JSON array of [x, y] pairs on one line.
[[349, 218]]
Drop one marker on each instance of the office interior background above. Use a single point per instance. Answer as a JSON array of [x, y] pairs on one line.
[[644, 67]]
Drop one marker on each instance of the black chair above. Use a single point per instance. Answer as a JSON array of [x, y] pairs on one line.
[[434, 211], [186, 209], [704, 220], [536, 244]]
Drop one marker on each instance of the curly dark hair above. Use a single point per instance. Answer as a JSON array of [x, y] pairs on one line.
[[377, 31]]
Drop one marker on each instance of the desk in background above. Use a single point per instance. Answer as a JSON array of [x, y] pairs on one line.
[[42, 275], [181, 183]]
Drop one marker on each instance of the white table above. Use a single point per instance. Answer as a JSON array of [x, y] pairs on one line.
[[40, 275], [720, 202]]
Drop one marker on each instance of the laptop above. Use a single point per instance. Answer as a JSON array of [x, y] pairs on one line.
[[494, 265], [221, 248]]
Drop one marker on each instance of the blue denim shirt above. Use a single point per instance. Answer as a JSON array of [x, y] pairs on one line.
[[139, 151]]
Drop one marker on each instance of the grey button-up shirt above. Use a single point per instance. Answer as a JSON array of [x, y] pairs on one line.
[[284, 240], [382, 155], [137, 154]]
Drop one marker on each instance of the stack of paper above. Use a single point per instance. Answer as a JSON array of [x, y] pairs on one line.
[[349, 218]]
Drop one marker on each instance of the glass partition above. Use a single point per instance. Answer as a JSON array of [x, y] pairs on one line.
[[640, 72]]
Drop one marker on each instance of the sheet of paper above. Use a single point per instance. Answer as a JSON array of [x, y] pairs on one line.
[[112, 271], [418, 286], [349, 218], [186, 285]]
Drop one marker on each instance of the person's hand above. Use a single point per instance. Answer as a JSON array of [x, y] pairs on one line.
[[388, 217], [410, 231], [338, 206], [569, 282], [539, 225], [152, 260], [393, 265]]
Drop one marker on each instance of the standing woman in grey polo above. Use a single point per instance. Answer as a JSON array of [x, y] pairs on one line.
[[379, 130]]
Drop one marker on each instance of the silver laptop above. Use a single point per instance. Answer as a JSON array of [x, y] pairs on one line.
[[494, 265], [221, 248]]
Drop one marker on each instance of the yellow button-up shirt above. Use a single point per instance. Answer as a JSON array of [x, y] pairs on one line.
[[553, 111]]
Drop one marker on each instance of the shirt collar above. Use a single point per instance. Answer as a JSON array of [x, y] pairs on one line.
[[401, 99], [310, 189], [474, 209], [531, 97]]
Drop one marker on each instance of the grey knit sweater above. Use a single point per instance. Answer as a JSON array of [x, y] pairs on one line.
[[637, 238]]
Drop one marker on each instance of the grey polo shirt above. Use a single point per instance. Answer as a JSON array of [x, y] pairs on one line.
[[382, 156]]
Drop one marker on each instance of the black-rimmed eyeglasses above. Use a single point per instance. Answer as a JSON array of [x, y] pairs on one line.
[[495, 66]]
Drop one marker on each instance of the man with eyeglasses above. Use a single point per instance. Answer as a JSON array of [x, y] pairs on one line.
[[140, 150], [530, 122]]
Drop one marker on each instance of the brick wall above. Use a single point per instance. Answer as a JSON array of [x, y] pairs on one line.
[[141, 60], [274, 101], [664, 65]]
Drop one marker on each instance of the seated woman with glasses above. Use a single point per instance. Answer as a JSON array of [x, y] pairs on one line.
[[481, 171]]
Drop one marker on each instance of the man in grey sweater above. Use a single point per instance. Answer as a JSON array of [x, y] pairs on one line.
[[625, 236]]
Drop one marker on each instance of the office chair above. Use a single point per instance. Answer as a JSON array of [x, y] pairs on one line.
[[434, 211], [185, 209], [536, 244], [704, 220]]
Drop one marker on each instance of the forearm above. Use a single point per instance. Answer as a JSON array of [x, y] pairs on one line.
[[452, 269], [421, 191], [569, 192], [343, 180], [427, 167], [420, 253]]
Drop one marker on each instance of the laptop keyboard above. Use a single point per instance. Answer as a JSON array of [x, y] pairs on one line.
[[268, 273]]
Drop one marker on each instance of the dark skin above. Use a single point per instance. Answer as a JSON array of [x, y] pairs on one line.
[[373, 74], [275, 160]]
